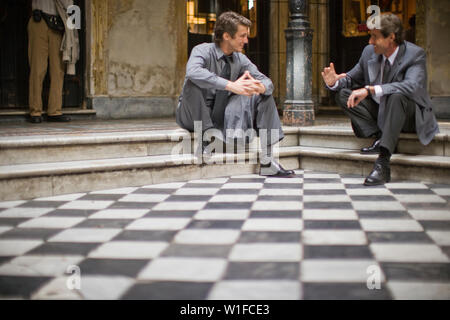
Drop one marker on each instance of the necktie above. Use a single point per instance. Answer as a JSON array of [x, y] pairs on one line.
[[386, 72], [221, 99]]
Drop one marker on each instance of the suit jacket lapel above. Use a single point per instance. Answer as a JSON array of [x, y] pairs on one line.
[[397, 63], [374, 67]]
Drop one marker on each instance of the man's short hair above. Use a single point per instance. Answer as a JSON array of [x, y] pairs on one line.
[[229, 22], [390, 23]]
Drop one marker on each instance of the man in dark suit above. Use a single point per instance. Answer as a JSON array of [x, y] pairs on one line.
[[386, 94], [224, 90]]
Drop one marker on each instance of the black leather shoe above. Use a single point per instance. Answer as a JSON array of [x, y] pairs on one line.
[[373, 149], [61, 118], [35, 119], [380, 175], [274, 169]]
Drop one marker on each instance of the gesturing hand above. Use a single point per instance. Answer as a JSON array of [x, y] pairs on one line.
[[330, 76]]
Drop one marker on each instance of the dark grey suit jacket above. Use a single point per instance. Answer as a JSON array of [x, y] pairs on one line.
[[408, 76]]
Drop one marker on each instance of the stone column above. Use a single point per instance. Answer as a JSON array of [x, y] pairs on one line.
[[298, 108]]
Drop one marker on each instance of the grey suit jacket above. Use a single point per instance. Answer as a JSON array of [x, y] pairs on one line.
[[205, 65], [408, 76]]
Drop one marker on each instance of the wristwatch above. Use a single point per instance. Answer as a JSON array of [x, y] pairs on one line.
[[368, 90]]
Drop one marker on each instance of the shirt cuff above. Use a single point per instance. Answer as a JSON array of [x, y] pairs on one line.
[[378, 91], [336, 85], [221, 83]]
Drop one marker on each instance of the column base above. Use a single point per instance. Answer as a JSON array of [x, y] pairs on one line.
[[300, 115]]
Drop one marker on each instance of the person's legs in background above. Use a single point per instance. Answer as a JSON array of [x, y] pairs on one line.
[[38, 60], [54, 111]]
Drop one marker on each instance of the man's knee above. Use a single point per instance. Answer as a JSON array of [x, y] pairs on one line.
[[398, 100], [264, 102], [192, 92], [342, 97], [398, 97]]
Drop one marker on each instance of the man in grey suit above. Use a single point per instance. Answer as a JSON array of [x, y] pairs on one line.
[[224, 90], [386, 94]]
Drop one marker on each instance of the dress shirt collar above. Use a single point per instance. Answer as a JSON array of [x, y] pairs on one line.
[[392, 57], [220, 54]]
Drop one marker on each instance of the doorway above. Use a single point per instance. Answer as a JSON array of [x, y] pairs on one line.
[[14, 68], [202, 14]]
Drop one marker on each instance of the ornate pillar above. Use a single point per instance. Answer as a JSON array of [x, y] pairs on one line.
[[298, 108], [99, 52]]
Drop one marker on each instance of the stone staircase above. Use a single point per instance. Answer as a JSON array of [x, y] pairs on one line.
[[45, 165]]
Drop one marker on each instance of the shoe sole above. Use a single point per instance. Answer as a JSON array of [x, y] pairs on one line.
[[267, 172], [371, 184]]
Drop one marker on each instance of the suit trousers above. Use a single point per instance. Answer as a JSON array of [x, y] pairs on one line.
[[44, 48], [257, 112], [400, 116]]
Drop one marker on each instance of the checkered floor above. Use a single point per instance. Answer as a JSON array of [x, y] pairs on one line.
[[317, 236]]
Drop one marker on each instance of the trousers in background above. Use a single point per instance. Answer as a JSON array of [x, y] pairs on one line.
[[399, 113], [43, 49]]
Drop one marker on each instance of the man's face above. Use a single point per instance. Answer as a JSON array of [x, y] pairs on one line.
[[237, 43], [381, 44]]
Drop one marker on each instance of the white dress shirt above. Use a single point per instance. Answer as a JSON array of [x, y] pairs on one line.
[[378, 89]]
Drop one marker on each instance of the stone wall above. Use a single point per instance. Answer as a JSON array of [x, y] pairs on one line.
[[433, 27], [138, 57]]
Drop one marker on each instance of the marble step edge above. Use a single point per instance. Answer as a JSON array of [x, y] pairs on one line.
[[161, 135], [89, 166], [317, 130], [103, 165], [92, 138], [348, 154], [103, 138], [66, 111]]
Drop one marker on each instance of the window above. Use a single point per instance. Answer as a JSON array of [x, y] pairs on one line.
[[354, 19], [202, 14]]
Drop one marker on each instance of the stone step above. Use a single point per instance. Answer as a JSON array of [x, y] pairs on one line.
[[88, 146], [91, 146], [434, 169], [344, 138], [21, 115], [26, 181]]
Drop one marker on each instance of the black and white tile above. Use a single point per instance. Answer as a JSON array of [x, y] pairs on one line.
[[316, 236]]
